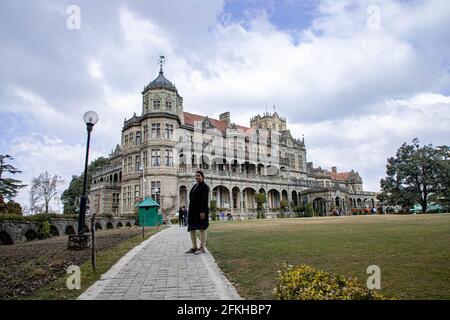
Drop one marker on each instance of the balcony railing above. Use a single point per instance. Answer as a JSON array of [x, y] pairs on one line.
[[108, 169]]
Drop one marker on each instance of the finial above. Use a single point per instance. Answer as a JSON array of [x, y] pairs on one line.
[[161, 61]]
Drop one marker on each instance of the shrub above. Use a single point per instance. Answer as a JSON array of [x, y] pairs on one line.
[[44, 230], [309, 210], [303, 282], [213, 210], [12, 217], [174, 220], [14, 207]]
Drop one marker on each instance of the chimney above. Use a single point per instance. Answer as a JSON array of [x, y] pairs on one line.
[[334, 169], [225, 117]]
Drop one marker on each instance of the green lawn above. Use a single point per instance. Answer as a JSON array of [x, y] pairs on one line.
[[413, 251]]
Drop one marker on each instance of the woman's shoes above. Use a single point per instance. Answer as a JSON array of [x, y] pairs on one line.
[[200, 250], [196, 250]]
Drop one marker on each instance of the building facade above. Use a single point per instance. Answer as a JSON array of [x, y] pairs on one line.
[[161, 149]]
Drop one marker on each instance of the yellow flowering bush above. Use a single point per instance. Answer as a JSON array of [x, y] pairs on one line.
[[303, 282]]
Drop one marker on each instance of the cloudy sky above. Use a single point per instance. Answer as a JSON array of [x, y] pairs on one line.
[[357, 78]]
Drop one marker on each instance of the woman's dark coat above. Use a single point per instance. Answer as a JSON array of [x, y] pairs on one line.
[[198, 202]]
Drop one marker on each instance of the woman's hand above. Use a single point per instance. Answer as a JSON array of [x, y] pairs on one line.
[[202, 215]]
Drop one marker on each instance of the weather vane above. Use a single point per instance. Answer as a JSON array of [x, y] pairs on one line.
[[161, 61]]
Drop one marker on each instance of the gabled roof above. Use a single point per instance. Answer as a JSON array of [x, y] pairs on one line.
[[340, 175], [191, 118]]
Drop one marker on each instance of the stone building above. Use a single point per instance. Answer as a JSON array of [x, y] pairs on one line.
[[163, 147]]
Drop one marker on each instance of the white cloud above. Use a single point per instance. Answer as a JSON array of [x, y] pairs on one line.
[[35, 154]]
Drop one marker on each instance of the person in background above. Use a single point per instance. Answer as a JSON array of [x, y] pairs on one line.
[[180, 217]]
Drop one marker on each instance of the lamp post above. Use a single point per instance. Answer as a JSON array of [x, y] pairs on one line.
[[80, 240], [90, 118]]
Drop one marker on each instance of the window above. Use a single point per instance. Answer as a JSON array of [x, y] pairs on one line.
[[169, 158], [169, 105], [137, 163], [144, 159], [136, 191], [130, 139], [138, 138], [169, 131], [130, 164], [156, 130], [145, 135], [155, 190], [156, 157], [124, 199], [115, 200], [156, 104]]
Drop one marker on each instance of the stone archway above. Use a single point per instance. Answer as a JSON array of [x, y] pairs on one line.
[[69, 230], [273, 199], [319, 206], [31, 235], [98, 226], [221, 195], [249, 199], [294, 198], [54, 231], [183, 196], [236, 198], [109, 225], [5, 238]]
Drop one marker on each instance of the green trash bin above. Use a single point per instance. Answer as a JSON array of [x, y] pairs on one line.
[[149, 213]]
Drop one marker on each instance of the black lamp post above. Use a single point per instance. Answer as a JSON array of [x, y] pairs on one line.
[[81, 240], [90, 118]]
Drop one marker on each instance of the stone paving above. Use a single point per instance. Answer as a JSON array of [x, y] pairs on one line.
[[160, 269]]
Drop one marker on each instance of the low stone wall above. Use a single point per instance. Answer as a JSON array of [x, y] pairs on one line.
[[19, 231]]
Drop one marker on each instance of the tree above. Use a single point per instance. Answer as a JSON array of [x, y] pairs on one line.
[[415, 174], [309, 210], [8, 186], [43, 191], [71, 196], [260, 200], [213, 210]]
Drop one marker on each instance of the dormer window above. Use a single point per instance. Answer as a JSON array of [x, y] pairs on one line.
[[156, 104], [169, 105]]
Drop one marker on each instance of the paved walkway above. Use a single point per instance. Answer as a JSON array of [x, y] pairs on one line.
[[160, 269]]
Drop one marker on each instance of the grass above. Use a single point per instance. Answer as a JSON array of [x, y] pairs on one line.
[[412, 251], [57, 289]]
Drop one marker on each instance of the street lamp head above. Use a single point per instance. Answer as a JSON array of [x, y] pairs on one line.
[[90, 117]]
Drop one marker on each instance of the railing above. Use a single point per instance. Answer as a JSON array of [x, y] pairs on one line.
[[108, 169]]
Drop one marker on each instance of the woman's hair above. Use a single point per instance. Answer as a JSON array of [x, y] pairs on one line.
[[200, 173]]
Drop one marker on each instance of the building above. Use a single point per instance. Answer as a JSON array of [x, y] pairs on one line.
[[163, 147]]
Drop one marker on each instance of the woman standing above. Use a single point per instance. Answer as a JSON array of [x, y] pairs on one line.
[[198, 214]]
